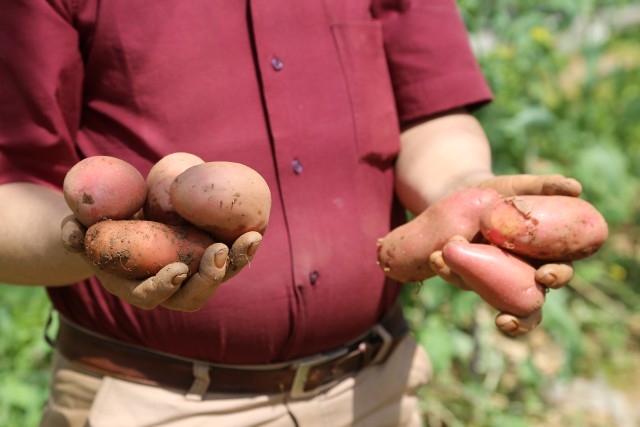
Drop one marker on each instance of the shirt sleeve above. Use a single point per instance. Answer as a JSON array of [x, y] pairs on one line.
[[431, 63], [40, 91]]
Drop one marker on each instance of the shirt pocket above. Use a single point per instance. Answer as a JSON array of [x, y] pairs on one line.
[[361, 49]]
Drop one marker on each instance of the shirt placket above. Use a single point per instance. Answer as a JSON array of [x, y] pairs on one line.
[[283, 64]]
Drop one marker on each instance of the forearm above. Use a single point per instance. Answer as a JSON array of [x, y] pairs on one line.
[[31, 252], [439, 156]]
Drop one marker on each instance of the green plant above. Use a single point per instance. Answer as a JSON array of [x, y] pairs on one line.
[[566, 101], [24, 355]]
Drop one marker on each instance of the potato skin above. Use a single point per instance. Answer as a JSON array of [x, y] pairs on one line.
[[102, 187], [137, 249], [226, 199], [545, 227], [502, 279], [403, 254], [158, 206]]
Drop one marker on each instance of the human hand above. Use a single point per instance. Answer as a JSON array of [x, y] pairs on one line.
[[551, 274], [508, 283], [171, 287], [527, 184], [412, 252]]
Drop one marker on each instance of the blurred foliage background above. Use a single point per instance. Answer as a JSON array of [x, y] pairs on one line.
[[566, 76]]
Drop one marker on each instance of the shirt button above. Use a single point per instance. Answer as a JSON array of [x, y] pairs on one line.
[[313, 277], [296, 166], [276, 63]]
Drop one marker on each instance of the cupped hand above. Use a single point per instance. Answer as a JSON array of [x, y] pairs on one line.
[[218, 264], [171, 287], [551, 275]]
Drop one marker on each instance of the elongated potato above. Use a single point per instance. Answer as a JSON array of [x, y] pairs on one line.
[[158, 206], [102, 187], [403, 254], [137, 249], [224, 198], [545, 227], [502, 279]]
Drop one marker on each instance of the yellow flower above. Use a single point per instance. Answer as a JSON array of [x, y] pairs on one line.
[[542, 35], [617, 272]]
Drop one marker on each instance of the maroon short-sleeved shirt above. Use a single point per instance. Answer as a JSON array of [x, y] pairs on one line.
[[309, 93]]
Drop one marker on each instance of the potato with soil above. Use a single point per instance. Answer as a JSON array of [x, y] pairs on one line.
[[403, 254], [103, 187], [226, 199], [158, 206], [502, 279], [545, 227], [138, 249]]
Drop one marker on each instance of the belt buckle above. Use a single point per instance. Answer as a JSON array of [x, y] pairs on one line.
[[303, 367], [387, 341]]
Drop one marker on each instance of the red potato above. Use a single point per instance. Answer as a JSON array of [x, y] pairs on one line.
[[224, 198], [102, 187], [502, 279], [545, 227], [158, 206], [137, 249], [403, 254]]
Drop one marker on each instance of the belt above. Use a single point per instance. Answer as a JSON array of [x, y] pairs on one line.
[[300, 377]]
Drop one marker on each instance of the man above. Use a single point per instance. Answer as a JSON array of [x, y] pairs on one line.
[[352, 112]]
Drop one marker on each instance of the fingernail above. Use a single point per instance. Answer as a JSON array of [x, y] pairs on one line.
[[548, 279], [220, 259], [177, 281], [437, 261], [508, 326], [252, 249]]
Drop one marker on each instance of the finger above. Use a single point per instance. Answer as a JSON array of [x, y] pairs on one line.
[[72, 234], [242, 252], [554, 276], [194, 294], [440, 267], [151, 292], [514, 185], [516, 326]]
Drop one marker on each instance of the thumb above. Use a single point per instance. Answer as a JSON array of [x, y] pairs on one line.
[[72, 234], [546, 185]]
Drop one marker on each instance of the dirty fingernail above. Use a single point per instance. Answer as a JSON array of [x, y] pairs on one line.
[[507, 325], [220, 259], [177, 281], [436, 260], [252, 249], [548, 279]]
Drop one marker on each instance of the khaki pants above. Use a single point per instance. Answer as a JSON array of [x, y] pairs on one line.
[[379, 396]]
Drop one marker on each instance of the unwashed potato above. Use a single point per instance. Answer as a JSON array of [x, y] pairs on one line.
[[226, 199], [158, 206], [545, 227], [403, 253], [137, 249], [102, 187], [502, 279]]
